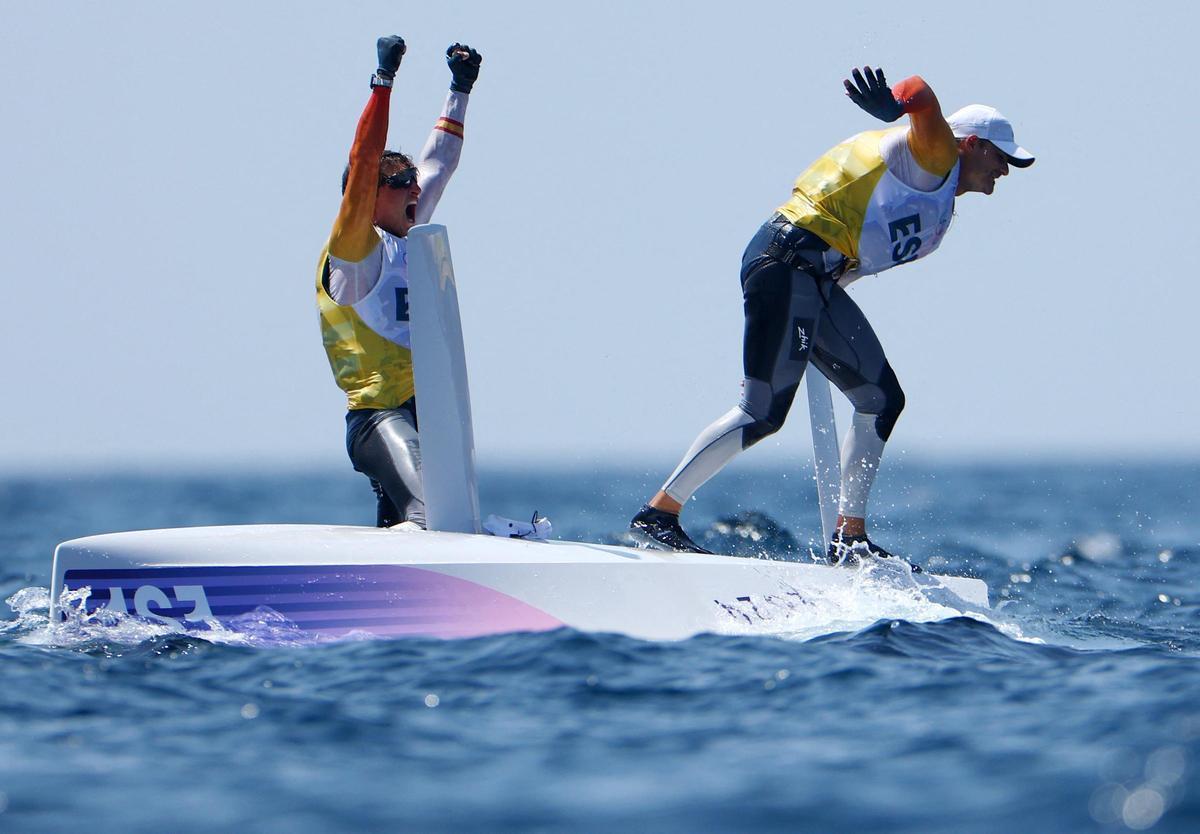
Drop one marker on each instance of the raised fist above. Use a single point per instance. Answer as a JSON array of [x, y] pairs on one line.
[[391, 50], [464, 66]]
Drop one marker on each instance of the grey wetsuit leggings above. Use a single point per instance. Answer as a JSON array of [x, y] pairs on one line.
[[383, 445], [796, 314]]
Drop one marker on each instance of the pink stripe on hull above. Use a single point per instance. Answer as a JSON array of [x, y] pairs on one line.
[[432, 605]]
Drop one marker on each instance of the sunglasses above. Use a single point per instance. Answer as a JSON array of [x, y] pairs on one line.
[[404, 179]]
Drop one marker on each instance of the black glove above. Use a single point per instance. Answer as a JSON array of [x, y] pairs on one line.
[[464, 66], [873, 95], [391, 50]]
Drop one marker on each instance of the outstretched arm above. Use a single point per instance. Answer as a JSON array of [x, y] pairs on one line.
[[930, 137], [439, 158], [354, 236]]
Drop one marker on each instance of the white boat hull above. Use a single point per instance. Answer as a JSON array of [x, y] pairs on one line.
[[331, 581]]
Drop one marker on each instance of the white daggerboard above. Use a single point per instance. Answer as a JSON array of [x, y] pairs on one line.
[[443, 394], [825, 449]]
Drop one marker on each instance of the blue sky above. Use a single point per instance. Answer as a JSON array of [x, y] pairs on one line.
[[172, 172]]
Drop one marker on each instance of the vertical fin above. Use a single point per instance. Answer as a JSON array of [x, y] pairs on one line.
[[443, 395], [825, 450]]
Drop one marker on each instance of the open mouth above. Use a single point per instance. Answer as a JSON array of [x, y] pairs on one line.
[[410, 212]]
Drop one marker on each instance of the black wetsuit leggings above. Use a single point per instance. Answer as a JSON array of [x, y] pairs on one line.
[[795, 314], [383, 445]]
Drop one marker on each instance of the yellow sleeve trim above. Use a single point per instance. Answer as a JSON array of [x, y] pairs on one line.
[[450, 126]]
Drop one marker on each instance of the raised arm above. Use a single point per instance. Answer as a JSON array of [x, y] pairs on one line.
[[354, 237], [439, 158], [930, 137]]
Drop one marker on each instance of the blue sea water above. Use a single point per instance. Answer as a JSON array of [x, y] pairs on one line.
[[1073, 706]]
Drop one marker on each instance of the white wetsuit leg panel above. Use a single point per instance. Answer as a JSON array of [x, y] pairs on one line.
[[712, 449], [861, 452]]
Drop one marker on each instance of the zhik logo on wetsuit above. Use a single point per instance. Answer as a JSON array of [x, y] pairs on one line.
[[801, 338]]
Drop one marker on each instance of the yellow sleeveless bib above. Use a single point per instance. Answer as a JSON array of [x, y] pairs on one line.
[[850, 200], [367, 342]]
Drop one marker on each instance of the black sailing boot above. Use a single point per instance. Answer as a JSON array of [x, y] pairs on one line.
[[660, 530], [849, 550]]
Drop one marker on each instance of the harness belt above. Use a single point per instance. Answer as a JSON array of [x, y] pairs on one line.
[[801, 249]]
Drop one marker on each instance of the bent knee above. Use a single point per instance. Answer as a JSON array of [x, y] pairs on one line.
[[766, 408], [893, 403], [757, 430]]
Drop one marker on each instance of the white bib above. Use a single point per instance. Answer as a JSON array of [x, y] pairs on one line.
[[385, 308], [902, 224]]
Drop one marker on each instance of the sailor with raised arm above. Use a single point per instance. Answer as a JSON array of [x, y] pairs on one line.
[[878, 200], [362, 281]]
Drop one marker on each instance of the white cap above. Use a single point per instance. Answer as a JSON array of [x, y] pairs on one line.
[[989, 123]]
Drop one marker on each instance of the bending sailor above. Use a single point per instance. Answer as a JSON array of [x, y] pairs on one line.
[[878, 200]]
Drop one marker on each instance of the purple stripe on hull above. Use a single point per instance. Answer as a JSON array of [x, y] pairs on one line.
[[388, 600], [234, 572]]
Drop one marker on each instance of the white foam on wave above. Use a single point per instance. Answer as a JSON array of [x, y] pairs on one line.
[[79, 627], [103, 628], [877, 591]]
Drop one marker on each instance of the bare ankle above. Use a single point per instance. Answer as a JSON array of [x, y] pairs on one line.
[[666, 503], [851, 526]]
